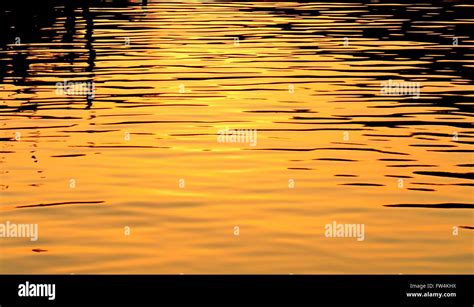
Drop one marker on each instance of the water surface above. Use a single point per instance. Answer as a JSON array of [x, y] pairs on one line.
[[169, 76]]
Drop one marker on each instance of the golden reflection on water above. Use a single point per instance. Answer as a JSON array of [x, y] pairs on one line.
[[168, 77]]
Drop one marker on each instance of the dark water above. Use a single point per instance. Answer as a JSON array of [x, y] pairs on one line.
[[363, 112]]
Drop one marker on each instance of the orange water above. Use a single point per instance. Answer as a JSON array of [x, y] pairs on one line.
[[168, 77]]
